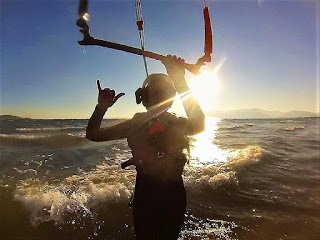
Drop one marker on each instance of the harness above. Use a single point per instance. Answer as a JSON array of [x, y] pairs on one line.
[[158, 142]]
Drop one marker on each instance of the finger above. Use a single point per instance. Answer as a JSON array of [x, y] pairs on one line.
[[118, 96], [166, 60], [99, 86], [106, 92], [112, 94], [169, 57], [181, 60]]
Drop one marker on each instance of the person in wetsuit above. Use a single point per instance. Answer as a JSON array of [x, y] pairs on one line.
[[158, 141]]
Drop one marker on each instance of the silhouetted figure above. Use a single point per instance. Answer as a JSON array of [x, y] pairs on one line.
[[158, 141]]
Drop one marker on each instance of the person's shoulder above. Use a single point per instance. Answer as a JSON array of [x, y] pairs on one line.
[[137, 115], [174, 118], [137, 118]]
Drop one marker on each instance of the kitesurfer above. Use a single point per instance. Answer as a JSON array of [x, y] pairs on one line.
[[158, 140]]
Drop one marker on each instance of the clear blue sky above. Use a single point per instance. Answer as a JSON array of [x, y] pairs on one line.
[[271, 52]]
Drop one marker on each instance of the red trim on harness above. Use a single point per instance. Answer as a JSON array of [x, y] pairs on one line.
[[156, 128]]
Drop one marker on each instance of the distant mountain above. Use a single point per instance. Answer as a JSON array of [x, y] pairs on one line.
[[301, 114], [10, 117], [233, 114], [259, 113]]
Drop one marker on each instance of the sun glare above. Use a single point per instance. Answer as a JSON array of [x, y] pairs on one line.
[[204, 87], [203, 150]]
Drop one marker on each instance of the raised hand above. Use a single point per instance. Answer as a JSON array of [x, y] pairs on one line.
[[175, 67], [107, 97]]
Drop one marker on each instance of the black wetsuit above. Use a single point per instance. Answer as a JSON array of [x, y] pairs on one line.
[[158, 208], [159, 202], [157, 145]]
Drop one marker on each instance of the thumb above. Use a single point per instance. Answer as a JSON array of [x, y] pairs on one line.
[[118, 96]]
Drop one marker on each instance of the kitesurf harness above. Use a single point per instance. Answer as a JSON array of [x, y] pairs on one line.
[[161, 138], [83, 17]]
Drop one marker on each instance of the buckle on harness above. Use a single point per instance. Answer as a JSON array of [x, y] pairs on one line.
[[160, 154]]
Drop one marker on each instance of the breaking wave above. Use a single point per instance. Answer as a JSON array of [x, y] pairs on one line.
[[59, 140], [79, 195], [49, 128], [293, 128], [76, 195], [213, 176], [236, 127], [232, 128]]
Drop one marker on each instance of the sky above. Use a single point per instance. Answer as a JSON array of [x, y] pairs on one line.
[[266, 54]]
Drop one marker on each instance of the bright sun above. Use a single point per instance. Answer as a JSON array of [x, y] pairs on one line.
[[204, 87]]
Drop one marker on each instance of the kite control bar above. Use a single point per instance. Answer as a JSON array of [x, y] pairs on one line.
[[89, 40]]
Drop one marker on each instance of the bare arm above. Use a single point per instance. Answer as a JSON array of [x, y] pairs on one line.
[[94, 132], [196, 118]]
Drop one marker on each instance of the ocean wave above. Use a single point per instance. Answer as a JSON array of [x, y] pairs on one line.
[[76, 195], [79, 195], [213, 176], [293, 128], [199, 179], [49, 129], [236, 127], [244, 157], [59, 140]]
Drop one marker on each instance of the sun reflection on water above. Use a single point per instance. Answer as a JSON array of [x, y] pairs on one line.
[[203, 151]]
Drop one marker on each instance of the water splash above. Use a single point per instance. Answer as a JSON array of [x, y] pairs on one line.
[[74, 197], [198, 228]]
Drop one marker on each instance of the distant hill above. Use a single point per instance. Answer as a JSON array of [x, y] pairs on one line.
[[259, 113], [301, 114], [233, 114], [10, 117]]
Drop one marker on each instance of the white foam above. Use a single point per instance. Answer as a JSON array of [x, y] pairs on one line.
[[30, 170], [20, 136], [246, 156], [199, 228], [77, 194], [293, 128], [212, 176], [197, 179], [49, 128]]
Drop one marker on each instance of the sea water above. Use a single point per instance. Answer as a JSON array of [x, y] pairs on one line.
[[246, 179]]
